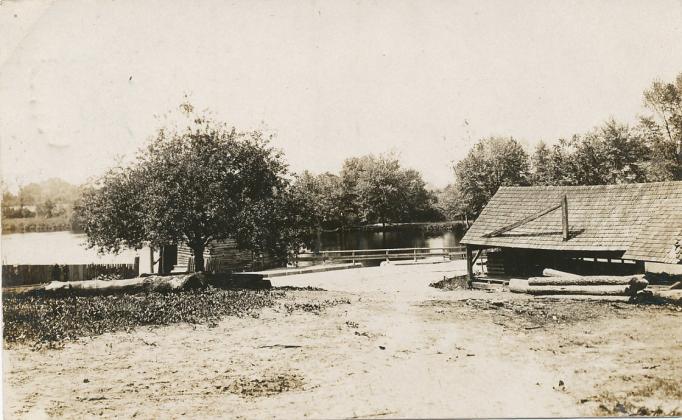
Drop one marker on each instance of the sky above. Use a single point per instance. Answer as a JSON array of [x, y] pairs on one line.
[[81, 82]]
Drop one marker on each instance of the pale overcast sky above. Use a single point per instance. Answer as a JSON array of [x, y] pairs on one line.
[[80, 81]]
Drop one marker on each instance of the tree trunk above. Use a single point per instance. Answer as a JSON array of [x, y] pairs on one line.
[[198, 251], [637, 281], [523, 286], [135, 285]]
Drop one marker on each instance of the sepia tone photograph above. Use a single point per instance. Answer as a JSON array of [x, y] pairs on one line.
[[341, 209]]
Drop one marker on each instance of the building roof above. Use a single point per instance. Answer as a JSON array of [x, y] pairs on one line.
[[642, 220]]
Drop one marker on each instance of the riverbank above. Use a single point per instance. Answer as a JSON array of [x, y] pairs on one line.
[[379, 342], [428, 227], [36, 224]]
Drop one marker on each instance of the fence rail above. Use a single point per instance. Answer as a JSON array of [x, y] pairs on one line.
[[387, 254]]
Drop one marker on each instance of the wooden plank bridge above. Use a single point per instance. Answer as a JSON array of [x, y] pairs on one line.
[[383, 254]]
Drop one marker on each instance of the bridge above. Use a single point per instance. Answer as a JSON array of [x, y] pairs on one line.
[[383, 254]]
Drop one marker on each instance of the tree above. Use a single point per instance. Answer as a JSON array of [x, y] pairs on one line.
[[193, 184], [663, 130], [449, 203], [610, 154], [378, 190], [491, 163], [46, 209], [326, 198], [541, 163]]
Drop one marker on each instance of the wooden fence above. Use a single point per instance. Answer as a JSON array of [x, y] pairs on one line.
[[20, 275], [385, 254]]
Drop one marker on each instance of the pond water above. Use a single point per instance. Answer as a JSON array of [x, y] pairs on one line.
[[42, 248], [412, 238]]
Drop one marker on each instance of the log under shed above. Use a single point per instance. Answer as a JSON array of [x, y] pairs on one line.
[[601, 229]]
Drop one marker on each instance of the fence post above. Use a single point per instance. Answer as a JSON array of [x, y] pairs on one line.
[[353, 256], [415, 255]]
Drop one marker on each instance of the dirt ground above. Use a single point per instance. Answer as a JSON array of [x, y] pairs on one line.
[[377, 343]]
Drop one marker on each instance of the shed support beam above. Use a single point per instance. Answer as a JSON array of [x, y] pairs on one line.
[[478, 254], [470, 264]]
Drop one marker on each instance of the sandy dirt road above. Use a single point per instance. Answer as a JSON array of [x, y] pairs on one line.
[[378, 343]]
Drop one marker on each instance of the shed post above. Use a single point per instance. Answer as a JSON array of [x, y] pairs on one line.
[[470, 264], [564, 217]]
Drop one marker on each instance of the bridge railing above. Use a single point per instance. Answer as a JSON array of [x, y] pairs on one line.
[[383, 254]]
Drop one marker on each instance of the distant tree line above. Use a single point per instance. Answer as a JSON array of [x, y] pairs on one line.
[[52, 198], [612, 153]]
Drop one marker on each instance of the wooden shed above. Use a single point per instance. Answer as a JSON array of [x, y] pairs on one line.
[[601, 229]]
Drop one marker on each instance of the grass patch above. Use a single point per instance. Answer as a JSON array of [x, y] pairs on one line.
[[40, 320]]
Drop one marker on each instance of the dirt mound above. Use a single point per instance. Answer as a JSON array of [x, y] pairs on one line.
[[266, 386], [452, 283]]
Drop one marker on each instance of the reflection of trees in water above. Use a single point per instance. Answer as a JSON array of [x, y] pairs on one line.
[[331, 241]]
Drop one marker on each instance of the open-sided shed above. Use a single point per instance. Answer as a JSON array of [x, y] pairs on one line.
[[586, 228]]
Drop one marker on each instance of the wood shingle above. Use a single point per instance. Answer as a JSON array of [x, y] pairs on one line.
[[642, 220]]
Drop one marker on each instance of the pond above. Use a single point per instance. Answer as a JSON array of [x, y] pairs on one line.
[[407, 238], [43, 248]]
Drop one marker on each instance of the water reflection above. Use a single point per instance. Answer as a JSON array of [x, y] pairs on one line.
[[334, 241]]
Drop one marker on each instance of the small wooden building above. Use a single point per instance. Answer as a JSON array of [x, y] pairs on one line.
[[601, 229], [223, 256]]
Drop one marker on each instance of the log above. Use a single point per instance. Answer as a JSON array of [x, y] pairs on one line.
[[550, 272], [138, 284], [589, 281], [522, 286], [518, 285]]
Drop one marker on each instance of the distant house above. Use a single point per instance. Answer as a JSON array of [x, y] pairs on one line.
[[588, 229]]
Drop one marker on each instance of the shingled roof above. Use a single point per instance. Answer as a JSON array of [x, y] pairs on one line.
[[642, 220]]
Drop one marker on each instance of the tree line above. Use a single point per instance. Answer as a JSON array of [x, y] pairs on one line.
[[368, 190], [47, 199], [203, 181], [612, 153]]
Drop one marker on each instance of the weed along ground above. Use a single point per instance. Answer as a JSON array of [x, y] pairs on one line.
[[376, 342]]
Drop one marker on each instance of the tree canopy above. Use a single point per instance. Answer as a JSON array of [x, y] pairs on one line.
[[369, 189], [612, 153], [193, 184], [490, 164]]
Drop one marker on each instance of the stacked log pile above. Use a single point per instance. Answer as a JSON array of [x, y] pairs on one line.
[[556, 282]]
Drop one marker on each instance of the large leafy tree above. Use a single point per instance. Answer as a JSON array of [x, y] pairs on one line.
[[490, 164], [378, 190], [610, 154], [197, 182]]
